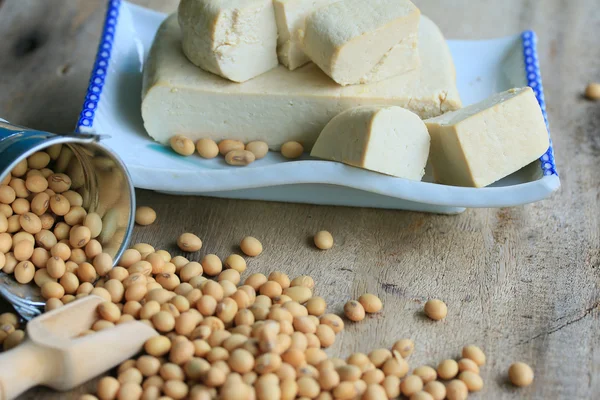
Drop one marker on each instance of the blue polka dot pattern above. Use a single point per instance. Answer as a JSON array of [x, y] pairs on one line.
[[92, 97], [534, 80]]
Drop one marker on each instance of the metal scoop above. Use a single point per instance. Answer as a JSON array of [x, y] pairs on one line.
[[53, 355]]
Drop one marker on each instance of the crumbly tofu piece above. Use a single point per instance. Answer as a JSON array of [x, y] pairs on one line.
[[389, 140], [236, 39], [482, 143], [358, 41], [290, 16], [281, 105]]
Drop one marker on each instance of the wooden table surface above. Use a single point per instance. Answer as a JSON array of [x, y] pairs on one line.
[[520, 282]]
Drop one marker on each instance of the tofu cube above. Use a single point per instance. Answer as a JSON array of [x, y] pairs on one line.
[[290, 16], [482, 143], [358, 41], [389, 140], [236, 39]]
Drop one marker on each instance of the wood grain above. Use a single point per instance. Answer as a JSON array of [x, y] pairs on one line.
[[520, 282]]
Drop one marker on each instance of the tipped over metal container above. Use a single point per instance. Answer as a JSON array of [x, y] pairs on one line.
[[96, 173]]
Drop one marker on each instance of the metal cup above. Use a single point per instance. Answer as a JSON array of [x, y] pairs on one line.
[[97, 174]]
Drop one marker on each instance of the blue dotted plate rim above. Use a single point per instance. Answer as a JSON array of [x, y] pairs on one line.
[[99, 72]]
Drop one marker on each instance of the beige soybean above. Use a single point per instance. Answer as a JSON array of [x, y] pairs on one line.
[[435, 309], [59, 204], [234, 261], [52, 289], [426, 373], [292, 150], [86, 272], [56, 267], [354, 311], [404, 346], [36, 183], [75, 216], [145, 216], [472, 380], [23, 250], [109, 311], [258, 148], [207, 148], [323, 240], [226, 146], [69, 282], [251, 246], [447, 369], [189, 242], [239, 158], [74, 198], [7, 194], [40, 204], [456, 390], [182, 145], [157, 346], [61, 231], [300, 294], [24, 272], [79, 236], [20, 206], [59, 183], [592, 91], [102, 263], [466, 364], [436, 389], [92, 249], [520, 374], [333, 321], [211, 265], [474, 353]]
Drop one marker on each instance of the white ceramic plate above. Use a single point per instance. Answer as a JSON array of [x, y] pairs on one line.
[[112, 107]]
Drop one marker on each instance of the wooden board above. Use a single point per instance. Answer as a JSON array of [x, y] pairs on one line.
[[521, 282]]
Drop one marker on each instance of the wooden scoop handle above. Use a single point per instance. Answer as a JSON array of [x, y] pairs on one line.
[[24, 367]]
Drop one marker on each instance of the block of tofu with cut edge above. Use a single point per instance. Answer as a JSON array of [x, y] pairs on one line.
[[280, 105], [290, 16], [482, 143], [389, 140], [358, 41], [236, 39]]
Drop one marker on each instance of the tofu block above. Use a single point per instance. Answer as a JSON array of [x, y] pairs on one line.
[[358, 41], [389, 140], [236, 39], [290, 16], [280, 105], [482, 143]]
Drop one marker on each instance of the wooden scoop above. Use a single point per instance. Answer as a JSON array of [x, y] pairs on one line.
[[53, 355]]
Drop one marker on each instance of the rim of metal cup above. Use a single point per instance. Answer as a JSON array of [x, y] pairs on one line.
[[82, 139]]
